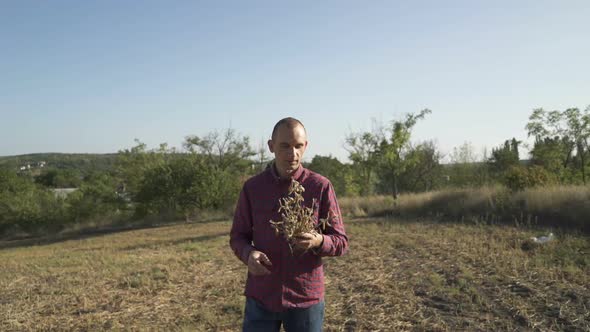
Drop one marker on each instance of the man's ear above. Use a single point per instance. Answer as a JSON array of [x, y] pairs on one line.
[[270, 146]]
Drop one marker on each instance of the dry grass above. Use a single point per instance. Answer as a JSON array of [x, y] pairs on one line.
[[561, 206], [156, 279], [397, 276], [428, 276], [367, 206]]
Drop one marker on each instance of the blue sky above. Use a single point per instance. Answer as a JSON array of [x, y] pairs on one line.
[[90, 76]]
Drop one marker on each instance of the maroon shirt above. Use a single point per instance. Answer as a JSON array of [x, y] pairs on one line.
[[296, 280]]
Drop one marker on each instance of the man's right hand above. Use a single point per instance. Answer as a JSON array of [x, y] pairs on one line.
[[257, 263]]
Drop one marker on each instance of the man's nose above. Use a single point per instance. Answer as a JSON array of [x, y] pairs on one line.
[[292, 152]]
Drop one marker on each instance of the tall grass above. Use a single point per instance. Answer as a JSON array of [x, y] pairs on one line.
[[559, 206]]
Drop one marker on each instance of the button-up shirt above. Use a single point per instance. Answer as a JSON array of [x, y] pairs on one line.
[[296, 280]]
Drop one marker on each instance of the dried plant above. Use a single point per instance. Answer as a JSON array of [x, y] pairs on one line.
[[296, 218]]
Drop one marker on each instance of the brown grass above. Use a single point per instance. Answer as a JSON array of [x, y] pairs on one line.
[[561, 206], [397, 276]]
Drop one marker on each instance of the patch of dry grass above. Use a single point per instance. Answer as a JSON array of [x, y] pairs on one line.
[[428, 276], [155, 279], [367, 206], [560, 206], [397, 276]]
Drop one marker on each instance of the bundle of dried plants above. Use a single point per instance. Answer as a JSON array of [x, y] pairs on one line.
[[296, 218]]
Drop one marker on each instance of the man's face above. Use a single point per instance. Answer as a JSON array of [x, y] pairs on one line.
[[288, 146]]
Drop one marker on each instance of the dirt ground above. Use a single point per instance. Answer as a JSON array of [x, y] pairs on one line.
[[398, 275]]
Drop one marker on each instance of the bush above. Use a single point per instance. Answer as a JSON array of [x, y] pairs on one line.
[[59, 178], [183, 186], [96, 197], [25, 207], [518, 178]]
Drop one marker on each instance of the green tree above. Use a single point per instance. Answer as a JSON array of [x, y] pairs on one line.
[[519, 177], [225, 150], [185, 185], [169, 188], [331, 168], [423, 171], [133, 164], [550, 153], [561, 136], [578, 124], [393, 148], [505, 156], [362, 151], [59, 178], [207, 175], [96, 197], [26, 207]]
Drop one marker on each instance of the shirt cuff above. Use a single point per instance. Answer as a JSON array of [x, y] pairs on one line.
[[324, 247], [246, 254]]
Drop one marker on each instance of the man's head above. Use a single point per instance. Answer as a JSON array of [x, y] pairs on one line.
[[288, 143]]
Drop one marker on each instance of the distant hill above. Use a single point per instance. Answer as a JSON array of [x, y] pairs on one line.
[[83, 162]]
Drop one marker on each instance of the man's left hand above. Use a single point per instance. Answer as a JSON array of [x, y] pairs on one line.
[[308, 241]]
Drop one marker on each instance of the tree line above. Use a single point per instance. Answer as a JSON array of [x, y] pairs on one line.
[[163, 183]]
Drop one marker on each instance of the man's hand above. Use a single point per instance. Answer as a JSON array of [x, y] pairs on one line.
[[257, 263], [307, 241]]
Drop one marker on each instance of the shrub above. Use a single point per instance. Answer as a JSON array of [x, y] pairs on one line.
[[27, 207], [518, 178]]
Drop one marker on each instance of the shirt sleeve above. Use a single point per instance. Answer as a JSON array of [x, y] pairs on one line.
[[335, 240], [240, 236]]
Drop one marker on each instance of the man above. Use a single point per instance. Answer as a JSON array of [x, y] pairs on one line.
[[283, 286]]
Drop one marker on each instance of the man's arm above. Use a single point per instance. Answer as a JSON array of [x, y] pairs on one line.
[[335, 241], [240, 236]]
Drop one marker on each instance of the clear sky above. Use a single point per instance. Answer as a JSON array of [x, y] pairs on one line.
[[90, 76]]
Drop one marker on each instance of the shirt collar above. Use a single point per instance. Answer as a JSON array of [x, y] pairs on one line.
[[275, 175]]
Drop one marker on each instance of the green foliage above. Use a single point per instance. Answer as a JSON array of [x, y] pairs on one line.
[[561, 142], [362, 148], [83, 163], [339, 174], [505, 157], [208, 176], [423, 171], [59, 178], [183, 186], [132, 165], [224, 150], [386, 153], [551, 154], [393, 148], [25, 207], [96, 197], [519, 177]]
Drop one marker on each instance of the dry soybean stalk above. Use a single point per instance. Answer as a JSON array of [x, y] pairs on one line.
[[296, 219]]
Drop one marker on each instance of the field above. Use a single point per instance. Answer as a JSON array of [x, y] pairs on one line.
[[398, 275]]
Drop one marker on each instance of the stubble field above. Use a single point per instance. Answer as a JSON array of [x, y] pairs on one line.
[[398, 275]]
